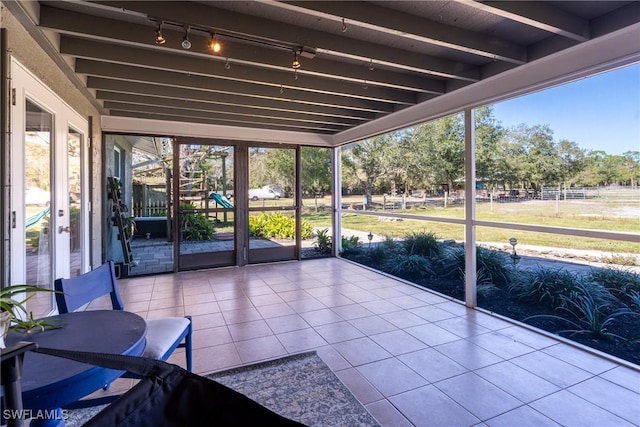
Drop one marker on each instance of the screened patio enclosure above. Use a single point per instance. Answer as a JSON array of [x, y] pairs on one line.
[[322, 73]]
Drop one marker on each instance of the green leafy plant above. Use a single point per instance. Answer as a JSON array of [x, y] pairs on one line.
[[350, 242], [130, 225], [323, 241], [587, 315], [412, 267], [422, 243], [634, 296], [496, 265], [13, 301], [195, 226], [620, 282], [493, 267], [278, 226], [546, 285]]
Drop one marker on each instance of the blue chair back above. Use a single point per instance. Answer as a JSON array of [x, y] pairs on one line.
[[77, 291]]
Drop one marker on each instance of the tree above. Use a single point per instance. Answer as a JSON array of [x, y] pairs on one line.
[[368, 161], [571, 161], [489, 135], [631, 165], [538, 157], [315, 169], [509, 161]]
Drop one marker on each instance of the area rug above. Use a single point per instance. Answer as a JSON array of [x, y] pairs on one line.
[[300, 387]]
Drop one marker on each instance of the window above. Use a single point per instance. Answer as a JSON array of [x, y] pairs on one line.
[[117, 162]]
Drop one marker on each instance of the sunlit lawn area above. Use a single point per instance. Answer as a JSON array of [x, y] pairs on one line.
[[570, 214]]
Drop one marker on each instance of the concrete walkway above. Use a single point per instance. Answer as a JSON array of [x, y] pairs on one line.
[[156, 255]]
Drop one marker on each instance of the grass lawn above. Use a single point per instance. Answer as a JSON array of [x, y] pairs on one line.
[[588, 214]]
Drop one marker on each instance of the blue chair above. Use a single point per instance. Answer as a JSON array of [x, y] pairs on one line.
[[163, 335]]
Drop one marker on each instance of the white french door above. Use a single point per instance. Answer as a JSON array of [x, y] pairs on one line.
[[49, 188]]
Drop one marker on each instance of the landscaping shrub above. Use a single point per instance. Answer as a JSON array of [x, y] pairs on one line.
[[544, 285], [195, 226], [451, 263], [493, 267], [587, 314], [619, 282], [634, 296], [412, 267], [350, 242], [497, 265], [422, 243], [323, 241], [277, 226]]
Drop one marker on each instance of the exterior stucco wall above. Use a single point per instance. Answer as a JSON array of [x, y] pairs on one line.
[[26, 50]]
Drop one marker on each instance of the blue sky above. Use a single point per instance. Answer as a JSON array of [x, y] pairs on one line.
[[597, 113]]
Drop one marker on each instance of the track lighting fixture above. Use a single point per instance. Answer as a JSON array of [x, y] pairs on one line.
[[295, 64], [215, 47], [186, 43], [214, 44], [159, 37]]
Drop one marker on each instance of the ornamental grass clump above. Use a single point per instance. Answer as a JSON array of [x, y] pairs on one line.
[[412, 267], [545, 285], [493, 267], [619, 281], [422, 243], [587, 314]]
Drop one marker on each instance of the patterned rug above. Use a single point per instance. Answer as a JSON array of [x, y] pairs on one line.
[[300, 387]]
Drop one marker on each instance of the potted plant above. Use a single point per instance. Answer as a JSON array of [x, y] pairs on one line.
[[14, 314]]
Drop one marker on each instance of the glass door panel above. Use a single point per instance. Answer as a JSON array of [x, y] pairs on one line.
[[38, 139], [76, 229], [273, 212], [206, 213]]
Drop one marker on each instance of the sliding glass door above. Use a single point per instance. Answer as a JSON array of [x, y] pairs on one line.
[[205, 216], [273, 208]]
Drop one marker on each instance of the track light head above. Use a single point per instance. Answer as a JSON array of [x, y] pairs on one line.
[[159, 37], [214, 45], [295, 64], [186, 44]]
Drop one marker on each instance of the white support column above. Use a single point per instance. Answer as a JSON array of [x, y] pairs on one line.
[[336, 197], [470, 294]]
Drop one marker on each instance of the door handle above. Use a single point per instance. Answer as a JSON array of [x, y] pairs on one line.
[[62, 229]]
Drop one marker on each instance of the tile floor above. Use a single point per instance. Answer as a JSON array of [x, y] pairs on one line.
[[410, 356]]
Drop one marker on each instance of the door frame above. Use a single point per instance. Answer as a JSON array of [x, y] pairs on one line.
[[25, 86], [241, 204]]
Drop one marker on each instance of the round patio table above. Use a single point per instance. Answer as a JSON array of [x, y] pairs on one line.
[[50, 382]]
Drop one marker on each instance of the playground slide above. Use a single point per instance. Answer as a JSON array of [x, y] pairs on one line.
[[34, 219], [221, 200]]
